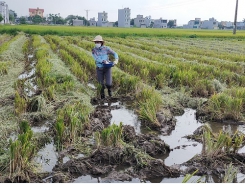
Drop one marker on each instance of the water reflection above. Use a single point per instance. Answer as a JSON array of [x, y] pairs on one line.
[[47, 157], [185, 125], [126, 116]]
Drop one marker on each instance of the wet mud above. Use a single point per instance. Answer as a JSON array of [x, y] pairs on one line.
[[138, 156]]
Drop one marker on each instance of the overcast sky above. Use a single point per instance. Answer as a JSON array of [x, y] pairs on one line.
[[182, 10]]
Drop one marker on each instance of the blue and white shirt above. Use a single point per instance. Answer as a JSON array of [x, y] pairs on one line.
[[102, 54]]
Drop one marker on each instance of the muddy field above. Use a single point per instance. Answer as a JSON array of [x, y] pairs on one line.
[[168, 149]]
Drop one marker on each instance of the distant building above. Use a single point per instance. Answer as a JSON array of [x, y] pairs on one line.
[[148, 21], [110, 24], [77, 22], [240, 25], [92, 22], [4, 11], [33, 12], [160, 23], [193, 24], [226, 24], [102, 19], [139, 21], [210, 24], [124, 17]]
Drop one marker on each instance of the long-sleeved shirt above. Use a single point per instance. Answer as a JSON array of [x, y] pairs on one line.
[[102, 54]]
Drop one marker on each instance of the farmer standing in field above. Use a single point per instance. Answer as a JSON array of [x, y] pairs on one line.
[[101, 56]]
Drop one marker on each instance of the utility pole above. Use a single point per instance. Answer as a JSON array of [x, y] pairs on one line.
[[87, 16], [235, 21]]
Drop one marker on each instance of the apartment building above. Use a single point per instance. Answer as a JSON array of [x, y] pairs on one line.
[[92, 22], [210, 24], [193, 24], [102, 19], [160, 23], [4, 11], [124, 17], [37, 11], [77, 22], [139, 21]]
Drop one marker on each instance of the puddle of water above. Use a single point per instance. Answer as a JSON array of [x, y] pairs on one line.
[[80, 155], [185, 125], [47, 157], [91, 179], [27, 74], [126, 116], [65, 159], [40, 129], [91, 85], [216, 127], [87, 179]]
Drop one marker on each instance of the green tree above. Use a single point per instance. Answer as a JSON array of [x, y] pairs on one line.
[[1, 17], [11, 18], [132, 22], [221, 26], [37, 19], [170, 24], [115, 24], [152, 24], [69, 19], [22, 20]]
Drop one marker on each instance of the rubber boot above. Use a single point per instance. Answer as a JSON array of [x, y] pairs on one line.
[[102, 92], [109, 90]]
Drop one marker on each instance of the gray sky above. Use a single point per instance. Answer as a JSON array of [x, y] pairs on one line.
[[182, 10]]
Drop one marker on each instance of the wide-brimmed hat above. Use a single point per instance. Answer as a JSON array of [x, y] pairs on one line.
[[98, 38]]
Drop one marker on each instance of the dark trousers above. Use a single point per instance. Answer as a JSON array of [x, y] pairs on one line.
[[104, 74], [105, 79]]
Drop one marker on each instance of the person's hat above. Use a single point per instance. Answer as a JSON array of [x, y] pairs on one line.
[[98, 38]]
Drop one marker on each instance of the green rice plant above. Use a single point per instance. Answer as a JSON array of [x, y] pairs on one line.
[[20, 104], [4, 68], [66, 86], [223, 106], [149, 102], [50, 92], [22, 150], [189, 176], [25, 47], [147, 112], [75, 119], [60, 129], [230, 174], [4, 46], [221, 144], [43, 67], [110, 136]]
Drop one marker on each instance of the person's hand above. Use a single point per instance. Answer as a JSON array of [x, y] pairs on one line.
[[116, 61]]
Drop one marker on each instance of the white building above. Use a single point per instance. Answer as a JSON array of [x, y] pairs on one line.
[[193, 24], [92, 22], [77, 22], [240, 25], [102, 19], [4, 11], [210, 24], [124, 17], [148, 21], [160, 23], [139, 21]]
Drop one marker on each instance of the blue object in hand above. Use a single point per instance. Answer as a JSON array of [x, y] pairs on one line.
[[108, 64]]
